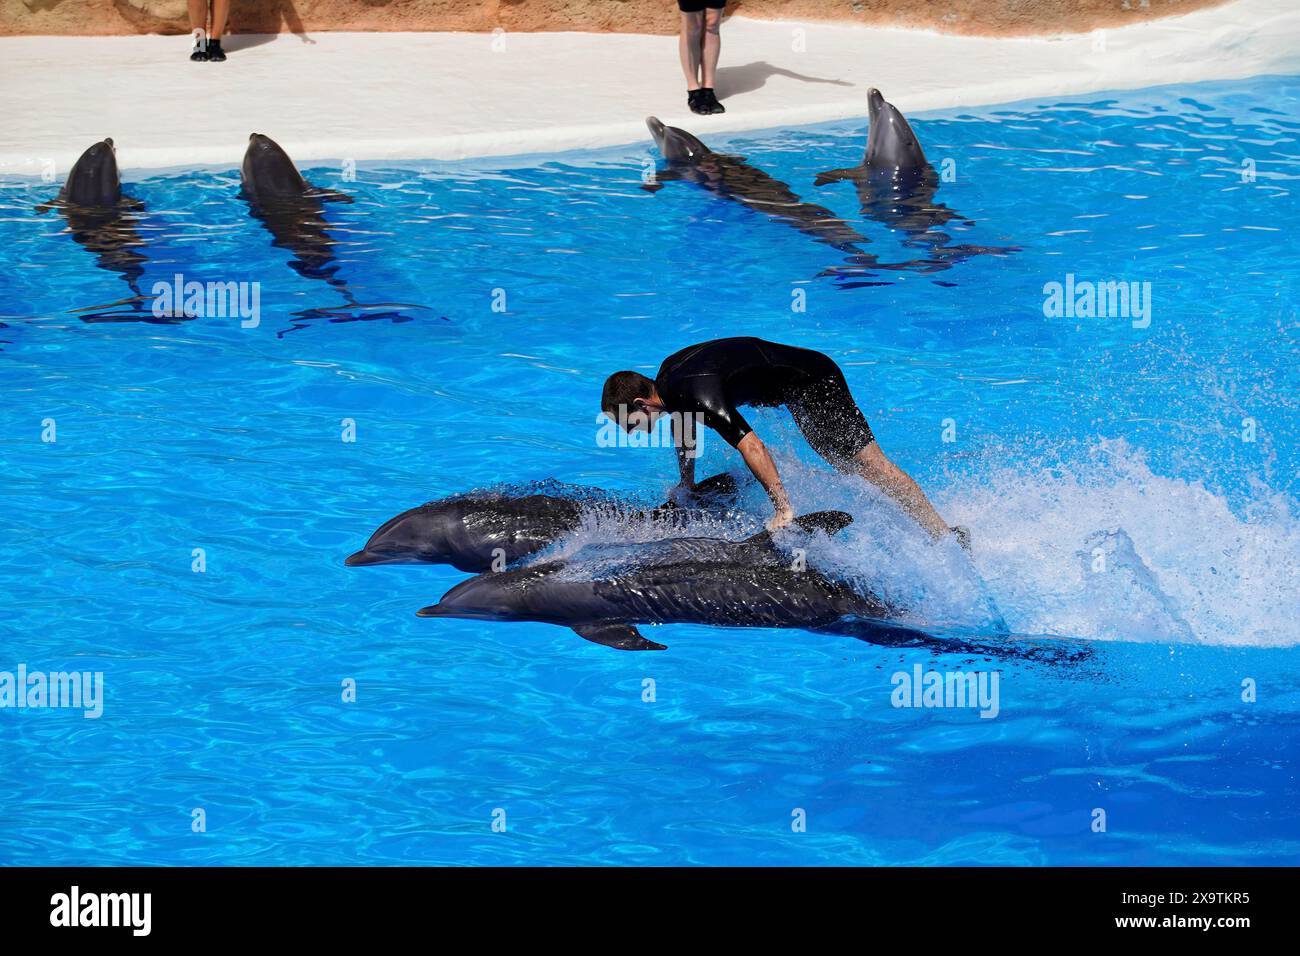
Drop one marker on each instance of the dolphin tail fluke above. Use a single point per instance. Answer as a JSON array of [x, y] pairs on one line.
[[623, 637], [836, 175]]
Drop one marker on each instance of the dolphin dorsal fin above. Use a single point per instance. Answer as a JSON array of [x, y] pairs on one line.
[[827, 522], [721, 485]]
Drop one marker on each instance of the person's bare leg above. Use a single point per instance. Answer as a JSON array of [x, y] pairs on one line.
[[199, 15], [872, 465], [712, 46], [690, 43], [220, 13]]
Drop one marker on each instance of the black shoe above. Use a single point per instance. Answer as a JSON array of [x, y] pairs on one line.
[[200, 54], [215, 53], [711, 101], [695, 100]]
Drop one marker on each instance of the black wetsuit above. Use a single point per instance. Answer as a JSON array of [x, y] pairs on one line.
[[713, 378]]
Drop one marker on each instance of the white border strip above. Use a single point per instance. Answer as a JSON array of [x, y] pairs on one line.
[[448, 96]]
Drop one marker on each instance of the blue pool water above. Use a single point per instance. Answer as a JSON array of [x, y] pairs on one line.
[[501, 292]]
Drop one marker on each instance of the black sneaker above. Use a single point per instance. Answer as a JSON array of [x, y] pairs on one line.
[[711, 101], [199, 54], [695, 100], [215, 53]]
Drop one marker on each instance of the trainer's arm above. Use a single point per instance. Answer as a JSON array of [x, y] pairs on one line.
[[684, 438], [761, 464]]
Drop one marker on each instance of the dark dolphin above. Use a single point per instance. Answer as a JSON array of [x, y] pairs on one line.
[[893, 158], [896, 186], [107, 224], [470, 532], [291, 209], [678, 581], [731, 177], [748, 583], [293, 212], [94, 181]]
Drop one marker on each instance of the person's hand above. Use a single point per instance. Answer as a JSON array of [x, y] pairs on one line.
[[782, 518]]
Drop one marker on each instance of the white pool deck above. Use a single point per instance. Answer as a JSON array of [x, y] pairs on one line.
[[384, 96]]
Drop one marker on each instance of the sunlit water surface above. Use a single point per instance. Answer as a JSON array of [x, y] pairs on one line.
[[1130, 487]]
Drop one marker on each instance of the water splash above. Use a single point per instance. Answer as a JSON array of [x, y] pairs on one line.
[[1080, 543], [1095, 544]]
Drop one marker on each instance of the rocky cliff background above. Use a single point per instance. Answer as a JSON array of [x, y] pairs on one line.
[[985, 17]]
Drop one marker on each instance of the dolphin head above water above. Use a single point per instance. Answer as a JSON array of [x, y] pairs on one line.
[[893, 156], [470, 533], [477, 532], [94, 179], [676, 145], [267, 171], [893, 150]]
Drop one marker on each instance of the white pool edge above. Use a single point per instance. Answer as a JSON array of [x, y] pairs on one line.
[[452, 96]]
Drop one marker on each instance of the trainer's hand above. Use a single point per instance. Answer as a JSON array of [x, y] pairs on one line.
[[782, 518]]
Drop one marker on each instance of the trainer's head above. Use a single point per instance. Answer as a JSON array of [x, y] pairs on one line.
[[630, 400]]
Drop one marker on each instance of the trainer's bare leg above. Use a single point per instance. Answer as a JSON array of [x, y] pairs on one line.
[[220, 13], [712, 47], [199, 17], [872, 465], [690, 44]]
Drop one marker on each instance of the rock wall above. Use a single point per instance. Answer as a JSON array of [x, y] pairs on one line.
[[985, 17]]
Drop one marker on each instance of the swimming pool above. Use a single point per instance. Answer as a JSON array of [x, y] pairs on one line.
[[500, 293]]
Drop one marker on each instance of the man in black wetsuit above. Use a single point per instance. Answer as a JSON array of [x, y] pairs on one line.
[[713, 378]]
